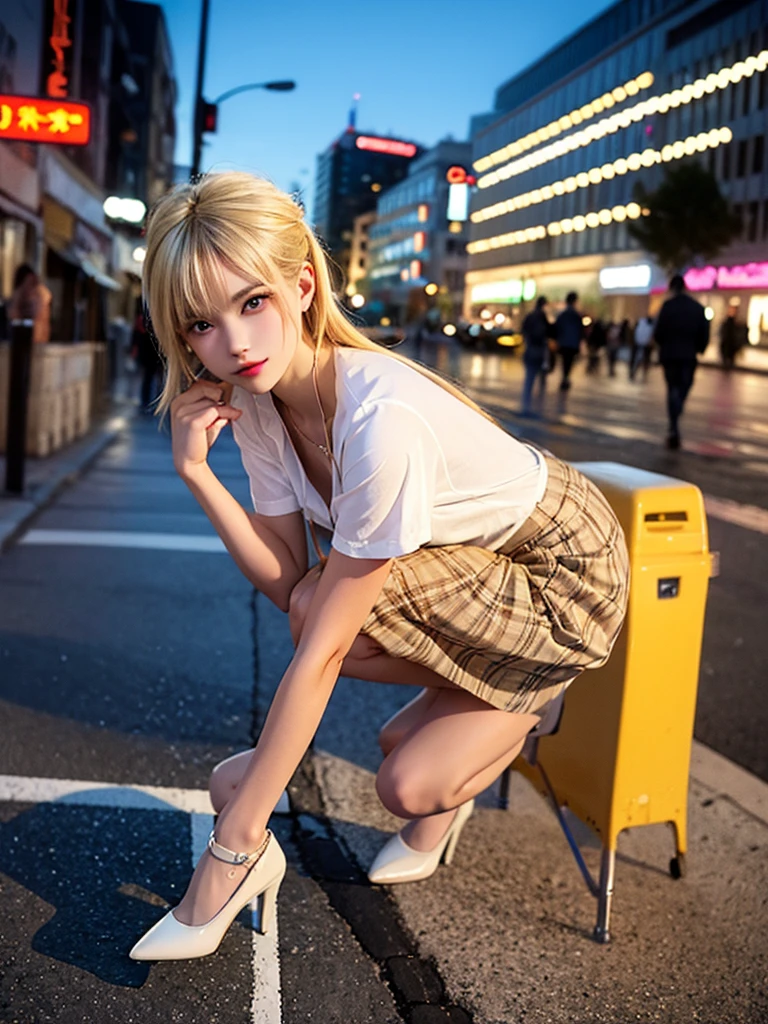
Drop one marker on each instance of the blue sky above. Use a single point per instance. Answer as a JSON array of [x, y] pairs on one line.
[[422, 68]]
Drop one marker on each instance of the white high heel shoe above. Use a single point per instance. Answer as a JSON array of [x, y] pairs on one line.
[[169, 939], [396, 861]]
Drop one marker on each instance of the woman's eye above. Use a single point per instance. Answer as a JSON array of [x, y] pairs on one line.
[[255, 302], [200, 327]]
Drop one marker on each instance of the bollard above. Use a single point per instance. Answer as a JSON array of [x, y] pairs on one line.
[[18, 394]]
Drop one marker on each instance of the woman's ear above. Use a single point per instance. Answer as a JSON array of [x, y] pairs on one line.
[[306, 286]]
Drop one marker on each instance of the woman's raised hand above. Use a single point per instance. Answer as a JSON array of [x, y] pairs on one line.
[[197, 419]]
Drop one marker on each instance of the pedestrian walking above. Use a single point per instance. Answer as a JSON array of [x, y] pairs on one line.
[[483, 572], [145, 352], [569, 333], [596, 340], [734, 335], [642, 345], [612, 346], [31, 300], [682, 333], [536, 355]]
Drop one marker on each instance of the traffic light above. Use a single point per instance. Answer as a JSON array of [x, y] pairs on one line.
[[210, 111]]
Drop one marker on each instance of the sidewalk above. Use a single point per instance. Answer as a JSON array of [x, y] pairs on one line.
[[750, 359], [44, 478], [508, 925]]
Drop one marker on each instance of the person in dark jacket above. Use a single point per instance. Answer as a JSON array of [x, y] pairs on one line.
[[144, 351], [536, 333], [569, 332], [681, 333]]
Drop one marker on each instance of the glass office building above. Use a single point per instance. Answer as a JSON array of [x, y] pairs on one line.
[[647, 84]]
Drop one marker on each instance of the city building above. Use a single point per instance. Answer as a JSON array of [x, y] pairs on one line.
[[420, 235], [646, 84], [21, 225], [113, 55], [350, 174]]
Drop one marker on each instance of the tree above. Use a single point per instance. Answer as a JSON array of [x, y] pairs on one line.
[[688, 218]]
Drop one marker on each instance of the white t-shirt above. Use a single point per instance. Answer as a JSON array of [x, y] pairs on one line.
[[416, 466]]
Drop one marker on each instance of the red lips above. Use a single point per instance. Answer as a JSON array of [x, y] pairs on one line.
[[251, 369]]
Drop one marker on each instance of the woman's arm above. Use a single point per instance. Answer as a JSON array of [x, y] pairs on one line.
[[347, 591], [272, 555]]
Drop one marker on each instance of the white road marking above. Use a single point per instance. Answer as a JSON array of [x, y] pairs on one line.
[[265, 962], [33, 790], [749, 516], [126, 539]]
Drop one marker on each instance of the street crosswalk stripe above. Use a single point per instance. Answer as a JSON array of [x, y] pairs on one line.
[[749, 516], [33, 790], [265, 962], [126, 539]]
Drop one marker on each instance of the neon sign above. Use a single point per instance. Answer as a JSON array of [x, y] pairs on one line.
[[57, 21], [36, 120], [749, 276], [614, 278], [391, 146]]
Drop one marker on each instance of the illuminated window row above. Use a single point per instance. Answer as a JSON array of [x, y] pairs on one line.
[[559, 227], [653, 105], [674, 151], [562, 124]]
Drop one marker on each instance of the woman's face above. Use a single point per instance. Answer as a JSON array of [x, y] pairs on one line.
[[246, 341]]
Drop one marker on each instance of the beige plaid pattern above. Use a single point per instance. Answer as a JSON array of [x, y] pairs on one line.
[[515, 626]]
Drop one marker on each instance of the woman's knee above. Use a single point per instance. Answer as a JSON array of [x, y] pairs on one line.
[[407, 794]]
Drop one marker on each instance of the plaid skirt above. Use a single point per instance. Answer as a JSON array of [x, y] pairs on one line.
[[514, 626]]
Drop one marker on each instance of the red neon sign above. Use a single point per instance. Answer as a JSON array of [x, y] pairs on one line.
[[392, 146], [36, 120], [58, 19]]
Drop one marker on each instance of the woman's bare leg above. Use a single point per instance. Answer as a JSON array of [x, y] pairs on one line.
[[469, 739], [471, 742]]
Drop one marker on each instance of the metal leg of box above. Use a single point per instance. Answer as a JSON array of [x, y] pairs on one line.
[[605, 896], [504, 789]]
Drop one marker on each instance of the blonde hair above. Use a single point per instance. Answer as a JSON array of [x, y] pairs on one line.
[[254, 228]]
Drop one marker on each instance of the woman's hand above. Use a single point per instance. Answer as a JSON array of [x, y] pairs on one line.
[[197, 418]]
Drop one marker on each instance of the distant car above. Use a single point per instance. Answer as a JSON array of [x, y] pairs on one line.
[[477, 336], [384, 335]]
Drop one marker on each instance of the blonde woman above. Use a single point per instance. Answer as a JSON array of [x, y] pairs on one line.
[[484, 573]]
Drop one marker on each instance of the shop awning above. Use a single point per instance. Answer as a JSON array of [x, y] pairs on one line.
[[100, 277], [88, 268]]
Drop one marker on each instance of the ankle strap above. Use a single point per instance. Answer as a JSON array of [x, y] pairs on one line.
[[230, 857]]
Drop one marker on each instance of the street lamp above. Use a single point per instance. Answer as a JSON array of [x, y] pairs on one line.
[[201, 106], [204, 110]]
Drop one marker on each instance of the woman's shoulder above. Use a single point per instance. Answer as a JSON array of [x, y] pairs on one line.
[[372, 377]]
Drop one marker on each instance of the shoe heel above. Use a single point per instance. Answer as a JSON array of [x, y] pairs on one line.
[[462, 817], [450, 846], [266, 907]]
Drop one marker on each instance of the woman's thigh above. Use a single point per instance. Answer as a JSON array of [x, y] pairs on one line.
[[456, 738]]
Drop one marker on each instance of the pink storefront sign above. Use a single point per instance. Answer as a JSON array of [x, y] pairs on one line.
[[750, 276]]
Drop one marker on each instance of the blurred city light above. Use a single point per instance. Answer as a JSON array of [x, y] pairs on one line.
[[130, 210], [357, 301], [647, 158], [645, 108]]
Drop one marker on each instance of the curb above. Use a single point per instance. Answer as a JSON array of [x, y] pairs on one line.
[[16, 512]]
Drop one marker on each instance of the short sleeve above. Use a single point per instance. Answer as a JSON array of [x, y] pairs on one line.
[[272, 493], [388, 462]]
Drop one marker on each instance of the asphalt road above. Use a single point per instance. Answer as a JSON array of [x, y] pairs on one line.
[[128, 660]]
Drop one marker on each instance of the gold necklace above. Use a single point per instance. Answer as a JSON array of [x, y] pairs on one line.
[[323, 448]]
